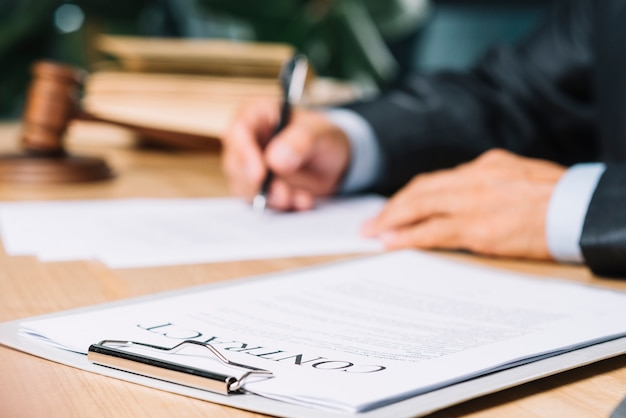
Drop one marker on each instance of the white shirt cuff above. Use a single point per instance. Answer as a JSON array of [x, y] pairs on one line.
[[567, 210], [365, 161]]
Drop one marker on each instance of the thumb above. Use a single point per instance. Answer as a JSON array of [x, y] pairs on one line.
[[290, 149]]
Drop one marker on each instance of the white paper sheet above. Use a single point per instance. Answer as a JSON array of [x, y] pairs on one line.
[[382, 329], [153, 232]]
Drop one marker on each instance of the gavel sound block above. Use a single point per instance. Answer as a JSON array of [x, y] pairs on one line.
[[52, 102]]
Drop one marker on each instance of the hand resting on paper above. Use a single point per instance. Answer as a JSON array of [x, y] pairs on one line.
[[308, 157], [495, 205]]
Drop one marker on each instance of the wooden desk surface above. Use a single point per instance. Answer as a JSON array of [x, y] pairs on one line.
[[33, 387]]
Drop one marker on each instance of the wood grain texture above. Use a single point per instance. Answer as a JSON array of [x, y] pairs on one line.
[[33, 387]]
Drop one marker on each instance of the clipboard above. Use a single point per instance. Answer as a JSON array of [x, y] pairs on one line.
[[413, 407], [105, 353], [419, 405]]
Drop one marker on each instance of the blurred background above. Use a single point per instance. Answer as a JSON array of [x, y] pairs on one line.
[[367, 42]]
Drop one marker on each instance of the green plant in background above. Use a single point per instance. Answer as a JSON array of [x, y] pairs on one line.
[[24, 27], [370, 41], [362, 40], [48, 29]]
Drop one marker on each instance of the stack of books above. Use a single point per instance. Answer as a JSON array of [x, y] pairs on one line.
[[184, 92]]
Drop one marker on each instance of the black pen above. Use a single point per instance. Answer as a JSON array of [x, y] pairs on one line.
[[292, 79]]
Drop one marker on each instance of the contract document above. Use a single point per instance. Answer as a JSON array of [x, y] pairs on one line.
[[129, 233], [349, 337]]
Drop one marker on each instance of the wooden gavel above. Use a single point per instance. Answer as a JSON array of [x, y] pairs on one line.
[[52, 103]]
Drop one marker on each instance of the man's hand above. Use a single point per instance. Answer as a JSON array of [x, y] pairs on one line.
[[494, 205], [308, 157]]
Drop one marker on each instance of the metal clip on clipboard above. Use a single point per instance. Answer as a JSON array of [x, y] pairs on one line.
[[110, 354]]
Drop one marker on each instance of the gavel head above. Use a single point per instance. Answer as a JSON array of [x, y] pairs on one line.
[[52, 102]]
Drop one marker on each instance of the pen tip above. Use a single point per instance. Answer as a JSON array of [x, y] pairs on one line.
[[259, 203]]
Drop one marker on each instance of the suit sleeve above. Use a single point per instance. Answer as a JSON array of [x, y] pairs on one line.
[[533, 99], [603, 239]]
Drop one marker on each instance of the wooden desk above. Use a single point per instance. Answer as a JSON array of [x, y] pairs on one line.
[[32, 387]]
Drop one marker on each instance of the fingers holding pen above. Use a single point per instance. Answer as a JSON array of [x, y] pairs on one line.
[[284, 197], [247, 166], [285, 159], [289, 150], [307, 158]]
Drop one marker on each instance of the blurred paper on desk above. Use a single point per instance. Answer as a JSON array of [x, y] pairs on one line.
[[153, 232]]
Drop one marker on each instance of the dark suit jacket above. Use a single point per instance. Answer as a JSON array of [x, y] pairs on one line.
[[559, 95]]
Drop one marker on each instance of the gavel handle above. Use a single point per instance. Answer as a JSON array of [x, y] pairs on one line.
[[164, 137]]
